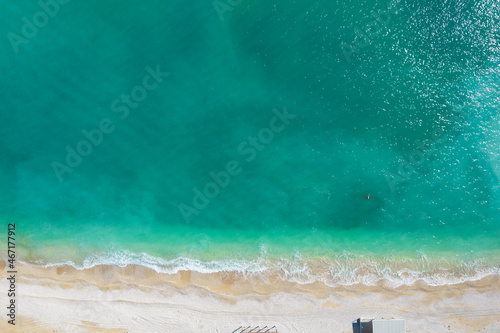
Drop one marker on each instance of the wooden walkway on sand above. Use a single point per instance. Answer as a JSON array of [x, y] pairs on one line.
[[256, 329]]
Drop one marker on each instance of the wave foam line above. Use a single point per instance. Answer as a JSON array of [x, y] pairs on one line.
[[345, 269]]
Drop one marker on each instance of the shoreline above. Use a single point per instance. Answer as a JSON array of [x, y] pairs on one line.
[[138, 299], [341, 270]]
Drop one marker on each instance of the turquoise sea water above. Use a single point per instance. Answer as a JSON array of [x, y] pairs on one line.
[[397, 101]]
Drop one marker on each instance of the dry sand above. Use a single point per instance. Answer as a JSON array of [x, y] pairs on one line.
[[137, 299]]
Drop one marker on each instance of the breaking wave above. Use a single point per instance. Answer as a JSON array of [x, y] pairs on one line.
[[344, 269]]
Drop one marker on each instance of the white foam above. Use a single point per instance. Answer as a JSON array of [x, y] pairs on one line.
[[345, 269]]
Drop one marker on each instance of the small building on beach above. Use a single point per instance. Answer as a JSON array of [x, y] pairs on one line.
[[379, 326]]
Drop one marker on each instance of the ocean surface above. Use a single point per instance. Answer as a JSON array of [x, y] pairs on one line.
[[328, 141]]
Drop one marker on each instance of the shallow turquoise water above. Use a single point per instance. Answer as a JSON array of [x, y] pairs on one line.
[[395, 100]]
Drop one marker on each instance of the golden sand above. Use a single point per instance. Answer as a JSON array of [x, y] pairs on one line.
[[138, 299]]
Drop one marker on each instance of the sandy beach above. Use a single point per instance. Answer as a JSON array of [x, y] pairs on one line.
[[137, 299]]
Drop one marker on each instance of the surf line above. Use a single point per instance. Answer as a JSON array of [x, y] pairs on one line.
[[248, 148], [95, 137]]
